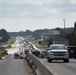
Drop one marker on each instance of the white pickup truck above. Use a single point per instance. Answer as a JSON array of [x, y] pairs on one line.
[[58, 52]]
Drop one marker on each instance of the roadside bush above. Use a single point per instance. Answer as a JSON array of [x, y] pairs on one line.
[[9, 46], [0, 55]]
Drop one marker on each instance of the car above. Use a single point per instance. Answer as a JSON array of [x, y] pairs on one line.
[[58, 52], [26, 51]]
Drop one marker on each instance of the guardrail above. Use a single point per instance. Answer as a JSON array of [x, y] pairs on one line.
[[43, 69]]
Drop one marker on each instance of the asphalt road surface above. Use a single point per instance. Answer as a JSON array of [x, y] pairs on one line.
[[62, 68], [13, 66]]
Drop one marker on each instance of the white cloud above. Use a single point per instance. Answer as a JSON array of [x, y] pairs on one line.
[[15, 24], [33, 2], [39, 2], [22, 24], [61, 1], [48, 10], [21, 14], [73, 1], [72, 14]]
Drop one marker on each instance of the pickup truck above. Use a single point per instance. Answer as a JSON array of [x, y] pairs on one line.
[[58, 52]]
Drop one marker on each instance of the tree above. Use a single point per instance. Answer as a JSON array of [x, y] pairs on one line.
[[36, 34], [75, 27], [4, 34], [50, 41], [72, 36]]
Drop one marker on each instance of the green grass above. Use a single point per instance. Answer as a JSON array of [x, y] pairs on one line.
[[0, 55], [32, 40], [1, 50], [41, 46], [10, 41]]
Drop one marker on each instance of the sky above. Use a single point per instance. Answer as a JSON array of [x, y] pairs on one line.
[[18, 15]]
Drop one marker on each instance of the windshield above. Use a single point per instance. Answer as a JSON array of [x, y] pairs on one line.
[[58, 47]]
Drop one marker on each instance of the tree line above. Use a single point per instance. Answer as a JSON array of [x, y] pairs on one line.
[[37, 33], [70, 34]]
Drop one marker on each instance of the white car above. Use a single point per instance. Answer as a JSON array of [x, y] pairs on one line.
[[58, 52]]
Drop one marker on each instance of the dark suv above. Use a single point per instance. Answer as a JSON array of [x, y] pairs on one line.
[[72, 51]]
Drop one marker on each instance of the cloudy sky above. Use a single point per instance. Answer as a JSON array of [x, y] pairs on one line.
[[17, 15]]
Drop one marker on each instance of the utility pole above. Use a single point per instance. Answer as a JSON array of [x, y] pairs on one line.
[[64, 26]]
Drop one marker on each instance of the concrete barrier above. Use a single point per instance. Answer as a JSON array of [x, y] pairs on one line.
[[43, 69]]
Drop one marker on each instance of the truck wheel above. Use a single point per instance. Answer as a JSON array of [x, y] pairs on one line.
[[75, 57], [66, 60]]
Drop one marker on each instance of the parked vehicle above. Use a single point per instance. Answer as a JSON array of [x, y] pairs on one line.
[[72, 51], [58, 52]]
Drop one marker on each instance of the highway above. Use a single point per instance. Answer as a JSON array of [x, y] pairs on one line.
[[12, 67], [62, 68]]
